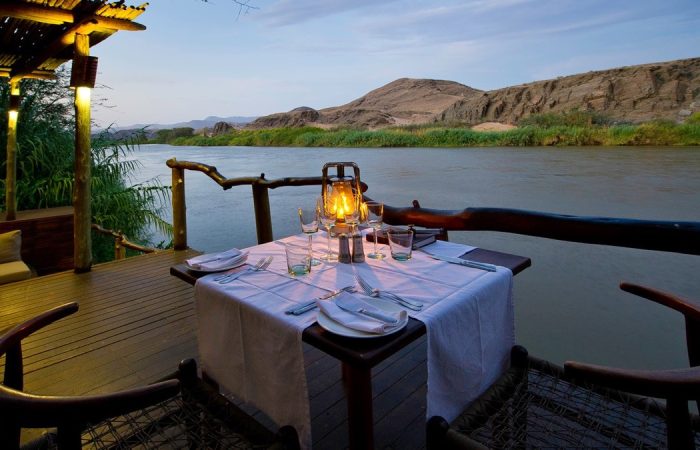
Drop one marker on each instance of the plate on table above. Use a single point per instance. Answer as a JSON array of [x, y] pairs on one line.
[[232, 265], [334, 327]]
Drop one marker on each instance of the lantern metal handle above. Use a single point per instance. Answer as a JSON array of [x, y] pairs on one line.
[[340, 173]]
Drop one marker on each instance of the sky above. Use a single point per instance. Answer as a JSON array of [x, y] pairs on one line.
[[199, 59]]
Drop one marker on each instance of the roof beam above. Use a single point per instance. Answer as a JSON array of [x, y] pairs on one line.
[[57, 16], [36, 13], [38, 74], [85, 26], [66, 39]]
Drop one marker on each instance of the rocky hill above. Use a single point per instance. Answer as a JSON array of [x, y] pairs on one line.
[[400, 102], [669, 90]]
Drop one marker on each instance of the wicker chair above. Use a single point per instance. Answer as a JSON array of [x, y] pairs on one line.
[[179, 412], [536, 404]]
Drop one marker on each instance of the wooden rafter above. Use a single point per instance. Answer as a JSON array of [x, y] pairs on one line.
[[36, 13], [56, 16], [50, 28]]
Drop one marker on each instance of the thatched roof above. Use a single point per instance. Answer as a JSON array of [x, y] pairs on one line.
[[37, 36]]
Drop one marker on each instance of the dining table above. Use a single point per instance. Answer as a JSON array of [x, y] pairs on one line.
[[459, 302]]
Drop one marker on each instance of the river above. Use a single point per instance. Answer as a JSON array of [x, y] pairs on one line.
[[568, 305]]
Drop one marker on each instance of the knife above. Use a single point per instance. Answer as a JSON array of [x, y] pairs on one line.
[[308, 306], [349, 304], [465, 262]]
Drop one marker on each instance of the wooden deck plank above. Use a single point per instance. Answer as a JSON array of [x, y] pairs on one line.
[[136, 322]]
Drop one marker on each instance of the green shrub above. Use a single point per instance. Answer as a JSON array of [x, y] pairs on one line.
[[45, 141], [573, 118], [693, 119]]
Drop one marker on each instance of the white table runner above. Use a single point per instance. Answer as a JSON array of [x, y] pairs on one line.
[[249, 346]]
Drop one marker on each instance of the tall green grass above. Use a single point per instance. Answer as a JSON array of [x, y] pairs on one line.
[[569, 130], [45, 167]]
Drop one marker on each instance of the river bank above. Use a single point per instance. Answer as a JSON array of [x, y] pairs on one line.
[[648, 134]]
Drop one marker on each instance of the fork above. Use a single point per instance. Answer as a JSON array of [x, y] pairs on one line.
[[262, 264], [374, 292], [308, 306]]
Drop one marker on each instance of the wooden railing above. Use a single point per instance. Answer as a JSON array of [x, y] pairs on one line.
[[121, 242], [672, 236], [261, 200]]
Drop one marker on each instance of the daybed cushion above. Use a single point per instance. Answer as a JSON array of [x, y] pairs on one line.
[[14, 271], [11, 246]]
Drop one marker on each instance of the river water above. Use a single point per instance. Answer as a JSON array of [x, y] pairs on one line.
[[568, 305]]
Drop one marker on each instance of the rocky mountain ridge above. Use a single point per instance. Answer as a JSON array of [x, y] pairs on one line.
[[668, 90], [403, 101]]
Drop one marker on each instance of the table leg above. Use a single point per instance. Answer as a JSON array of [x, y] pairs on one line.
[[358, 392]]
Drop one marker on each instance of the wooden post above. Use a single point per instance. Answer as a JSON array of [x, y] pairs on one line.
[[261, 204], [179, 209], [11, 171], [82, 219], [119, 249]]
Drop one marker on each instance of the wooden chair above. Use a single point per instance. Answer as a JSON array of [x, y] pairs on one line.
[[536, 404], [179, 412]]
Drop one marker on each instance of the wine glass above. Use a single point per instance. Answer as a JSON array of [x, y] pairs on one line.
[[327, 214], [375, 213], [309, 225]]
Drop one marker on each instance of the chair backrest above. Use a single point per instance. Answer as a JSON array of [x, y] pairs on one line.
[[69, 415]]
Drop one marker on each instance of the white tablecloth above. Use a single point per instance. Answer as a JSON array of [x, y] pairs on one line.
[[249, 346]]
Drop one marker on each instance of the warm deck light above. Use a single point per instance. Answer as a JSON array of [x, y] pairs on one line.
[[82, 95], [12, 118]]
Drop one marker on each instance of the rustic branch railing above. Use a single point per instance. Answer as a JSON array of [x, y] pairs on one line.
[[261, 200], [679, 237], [121, 242]]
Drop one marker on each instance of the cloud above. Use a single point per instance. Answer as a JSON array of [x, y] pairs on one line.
[[291, 12]]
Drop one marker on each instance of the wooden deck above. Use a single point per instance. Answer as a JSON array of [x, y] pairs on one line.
[[136, 322]]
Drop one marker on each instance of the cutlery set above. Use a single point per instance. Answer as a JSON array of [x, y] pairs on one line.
[[262, 264], [366, 289], [308, 306]]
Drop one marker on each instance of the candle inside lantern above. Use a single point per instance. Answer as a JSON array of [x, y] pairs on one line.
[[340, 214]]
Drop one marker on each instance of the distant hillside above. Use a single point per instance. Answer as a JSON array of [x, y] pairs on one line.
[[404, 101], [207, 122], [669, 90]]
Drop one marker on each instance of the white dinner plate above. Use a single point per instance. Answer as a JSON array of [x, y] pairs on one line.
[[234, 263], [334, 327]]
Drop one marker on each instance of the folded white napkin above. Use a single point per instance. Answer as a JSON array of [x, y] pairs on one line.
[[218, 261], [445, 248], [358, 321]]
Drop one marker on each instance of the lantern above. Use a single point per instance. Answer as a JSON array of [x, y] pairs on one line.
[[342, 195]]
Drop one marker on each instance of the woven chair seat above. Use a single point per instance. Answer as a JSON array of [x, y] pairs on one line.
[[198, 417], [536, 406]]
